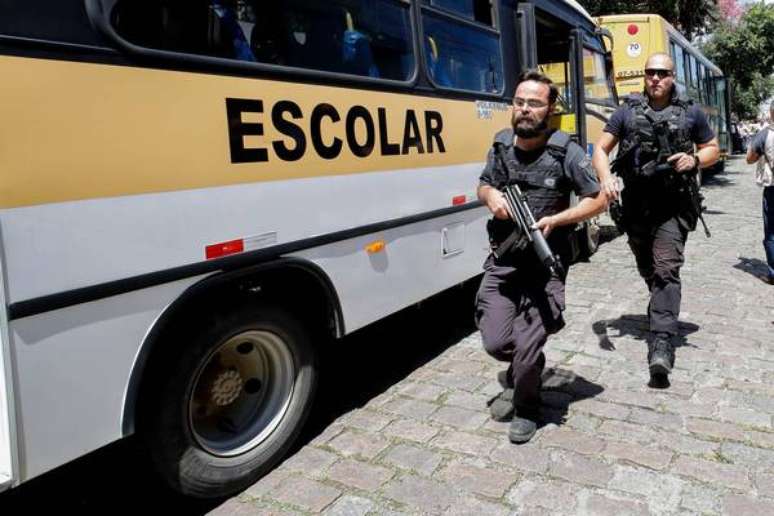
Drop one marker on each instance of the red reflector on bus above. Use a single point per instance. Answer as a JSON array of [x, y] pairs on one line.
[[632, 29], [457, 200], [224, 248]]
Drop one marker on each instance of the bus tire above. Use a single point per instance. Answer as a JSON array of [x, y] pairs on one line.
[[589, 238], [230, 400]]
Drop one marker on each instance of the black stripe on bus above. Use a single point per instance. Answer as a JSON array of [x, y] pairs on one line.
[[50, 302]]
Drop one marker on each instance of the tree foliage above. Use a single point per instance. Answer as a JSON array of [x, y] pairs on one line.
[[691, 17], [745, 52]]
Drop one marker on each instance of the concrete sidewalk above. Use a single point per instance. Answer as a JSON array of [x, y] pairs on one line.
[[615, 446]]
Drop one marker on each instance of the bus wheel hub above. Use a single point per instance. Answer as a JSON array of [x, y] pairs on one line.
[[226, 388]]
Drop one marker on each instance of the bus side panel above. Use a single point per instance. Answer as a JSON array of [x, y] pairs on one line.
[[412, 266], [76, 363], [58, 247]]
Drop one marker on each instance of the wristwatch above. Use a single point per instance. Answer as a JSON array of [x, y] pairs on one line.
[[696, 161]]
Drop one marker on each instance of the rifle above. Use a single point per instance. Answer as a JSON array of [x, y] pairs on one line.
[[686, 181], [520, 213], [522, 216]]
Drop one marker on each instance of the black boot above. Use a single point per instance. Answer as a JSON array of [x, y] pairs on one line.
[[523, 425], [501, 408], [661, 355]]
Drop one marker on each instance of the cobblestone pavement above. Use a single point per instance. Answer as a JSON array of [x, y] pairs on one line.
[[705, 445]]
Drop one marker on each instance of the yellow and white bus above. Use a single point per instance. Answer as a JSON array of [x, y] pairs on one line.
[[637, 36], [196, 197]]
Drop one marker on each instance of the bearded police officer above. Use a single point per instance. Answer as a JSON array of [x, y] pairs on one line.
[[664, 140], [520, 301]]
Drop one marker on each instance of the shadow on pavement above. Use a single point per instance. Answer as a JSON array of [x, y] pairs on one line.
[[370, 361], [753, 266], [115, 479], [636, 326], [717, 180], [561, 388]]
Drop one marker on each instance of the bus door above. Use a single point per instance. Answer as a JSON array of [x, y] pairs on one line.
[[600, 98], [556, 48]]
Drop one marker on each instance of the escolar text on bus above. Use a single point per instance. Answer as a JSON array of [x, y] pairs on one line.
[[421, 131]]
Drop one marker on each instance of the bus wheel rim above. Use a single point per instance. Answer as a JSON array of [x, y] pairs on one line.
[[241, 393]]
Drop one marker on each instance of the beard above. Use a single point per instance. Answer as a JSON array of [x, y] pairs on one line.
[[527, 127]]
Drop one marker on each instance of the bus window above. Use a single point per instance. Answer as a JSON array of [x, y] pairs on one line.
[[461, 55], [677, 56], [595, 78], [360, 38], [693, 80], [553, 56], [711, 90], [476, 10], [702, 84]]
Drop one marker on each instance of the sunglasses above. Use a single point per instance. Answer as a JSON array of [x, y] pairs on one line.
[[650, 72]]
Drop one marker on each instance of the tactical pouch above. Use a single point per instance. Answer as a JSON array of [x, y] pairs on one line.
[[688, 199], [504, 237]]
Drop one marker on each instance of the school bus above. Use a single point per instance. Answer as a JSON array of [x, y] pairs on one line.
[[637, 36], [196, 198]]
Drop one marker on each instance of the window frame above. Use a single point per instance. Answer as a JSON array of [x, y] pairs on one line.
[[701, 71], [456, 18], [608, 78], [99, 12]]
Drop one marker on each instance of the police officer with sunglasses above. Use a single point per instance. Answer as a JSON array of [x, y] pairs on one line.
[[660, 135]]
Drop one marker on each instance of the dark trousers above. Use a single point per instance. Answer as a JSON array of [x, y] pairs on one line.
[[516, 310], [658, 252], [768, 227]]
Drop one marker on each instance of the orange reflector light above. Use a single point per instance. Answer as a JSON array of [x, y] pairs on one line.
[[632, 29], [224, 248], [376, 246], [458, 199]]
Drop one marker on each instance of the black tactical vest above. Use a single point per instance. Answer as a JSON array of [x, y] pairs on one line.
[[543, 181], [640, 136], [646, 198]]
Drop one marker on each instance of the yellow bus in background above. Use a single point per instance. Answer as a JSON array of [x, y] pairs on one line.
[[637, 36]]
